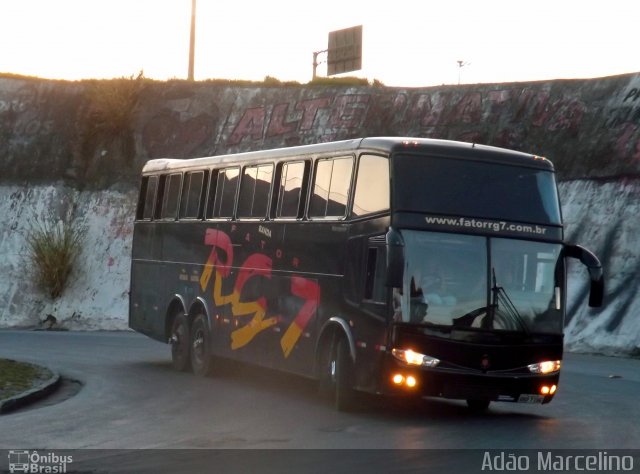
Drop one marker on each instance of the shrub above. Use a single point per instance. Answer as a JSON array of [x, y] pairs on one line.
[[53, 245], [113, 103]]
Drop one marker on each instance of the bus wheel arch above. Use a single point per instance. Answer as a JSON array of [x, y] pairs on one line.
[[175, 308], [335, 360], [199, 306]]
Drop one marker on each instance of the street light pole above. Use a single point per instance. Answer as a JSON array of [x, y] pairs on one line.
[[192, 40], [315, 61], [461, 64]]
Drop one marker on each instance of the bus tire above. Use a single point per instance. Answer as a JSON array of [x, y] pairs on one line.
[[478, 406], [201, 359], [180, 344], [344, 394]]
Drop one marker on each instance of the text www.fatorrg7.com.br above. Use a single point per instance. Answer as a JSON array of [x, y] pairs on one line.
[[481, 224]]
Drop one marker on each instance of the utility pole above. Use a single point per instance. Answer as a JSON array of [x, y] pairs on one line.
[[192, 40]]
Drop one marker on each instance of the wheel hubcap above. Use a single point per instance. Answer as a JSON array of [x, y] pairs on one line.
[[177, 340], [198, 344]]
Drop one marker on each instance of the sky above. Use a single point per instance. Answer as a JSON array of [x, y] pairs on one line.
[[406, 43]]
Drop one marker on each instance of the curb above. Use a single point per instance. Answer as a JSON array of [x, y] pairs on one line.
[[32, 395]]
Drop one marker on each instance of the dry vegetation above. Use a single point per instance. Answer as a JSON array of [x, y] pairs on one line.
[[53, 246]]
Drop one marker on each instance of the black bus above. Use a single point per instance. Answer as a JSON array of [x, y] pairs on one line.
[[396, 266]]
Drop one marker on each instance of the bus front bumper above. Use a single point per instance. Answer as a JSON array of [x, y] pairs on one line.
[[399, 379]]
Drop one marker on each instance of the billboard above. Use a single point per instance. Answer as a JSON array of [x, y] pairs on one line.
[[344, 53]]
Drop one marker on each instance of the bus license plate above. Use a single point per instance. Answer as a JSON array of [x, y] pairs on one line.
[[530, 398]]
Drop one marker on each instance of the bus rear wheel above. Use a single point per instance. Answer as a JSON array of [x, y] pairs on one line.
[[180, 343], [201, 359]]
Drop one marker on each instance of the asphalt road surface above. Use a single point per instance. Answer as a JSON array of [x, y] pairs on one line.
[[132, 399]]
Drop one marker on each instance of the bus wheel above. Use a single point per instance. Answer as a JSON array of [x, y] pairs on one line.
[[478, 405], [180, 343], [342, 373], [201, 359]]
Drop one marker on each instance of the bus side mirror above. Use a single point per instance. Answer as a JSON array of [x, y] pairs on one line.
[[588, 259], [395, 258]]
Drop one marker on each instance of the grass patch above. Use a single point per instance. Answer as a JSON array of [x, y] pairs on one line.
[[345, 81], [17, 377], [52, 249], [113, 100]]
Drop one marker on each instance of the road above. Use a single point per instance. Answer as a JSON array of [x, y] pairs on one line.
[[131, 398]]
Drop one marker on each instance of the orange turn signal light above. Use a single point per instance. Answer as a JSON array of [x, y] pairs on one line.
[[546, 390], [409, 381]]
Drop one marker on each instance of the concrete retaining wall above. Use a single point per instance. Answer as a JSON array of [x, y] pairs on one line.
[[97, 296]]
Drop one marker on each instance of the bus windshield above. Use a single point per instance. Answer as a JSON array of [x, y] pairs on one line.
[[457, 187], [480, 283]]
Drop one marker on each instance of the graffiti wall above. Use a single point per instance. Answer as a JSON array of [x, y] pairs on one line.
[[588, 128], [56, 144]]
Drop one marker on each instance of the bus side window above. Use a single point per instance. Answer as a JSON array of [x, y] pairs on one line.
[[372, 185], [147, 198], [171, 196], [331, 188], [253, 200], [290, 193], [211, 194], [375, 289], [225, 196], [190, 207]]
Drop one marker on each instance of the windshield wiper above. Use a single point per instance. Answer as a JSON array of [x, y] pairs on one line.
[[467, 319], [503, 304]]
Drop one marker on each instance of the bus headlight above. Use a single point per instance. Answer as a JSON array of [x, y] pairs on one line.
[[414, 358], [546, 367]]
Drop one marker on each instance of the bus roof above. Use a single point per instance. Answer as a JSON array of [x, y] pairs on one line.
[[444, 148]]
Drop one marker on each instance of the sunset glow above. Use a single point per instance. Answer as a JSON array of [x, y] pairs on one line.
[[406, 43]]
